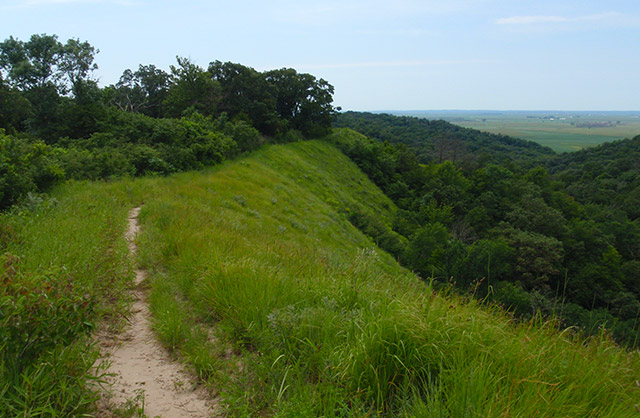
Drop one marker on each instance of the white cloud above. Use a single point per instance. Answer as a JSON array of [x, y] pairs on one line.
[[537, 19], [383, 64], [525, 20], [35, 3]]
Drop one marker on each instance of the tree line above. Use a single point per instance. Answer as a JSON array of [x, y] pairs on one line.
[[439, 140], [56, 122]]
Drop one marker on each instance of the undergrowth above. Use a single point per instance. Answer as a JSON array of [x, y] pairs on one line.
[[63, 268]]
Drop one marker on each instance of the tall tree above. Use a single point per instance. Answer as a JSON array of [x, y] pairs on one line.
[[15, 109], [142, 91], [45, 70], [191, 88], [302, 100], [245, 91], [76, 64]]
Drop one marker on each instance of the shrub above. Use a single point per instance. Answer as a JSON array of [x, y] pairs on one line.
[[38, 313], [25, 166]]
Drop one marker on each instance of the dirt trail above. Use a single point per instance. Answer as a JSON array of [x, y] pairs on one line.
[[140, 363]]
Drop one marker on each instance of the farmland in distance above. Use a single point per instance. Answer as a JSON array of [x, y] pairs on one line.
[[563, 131]]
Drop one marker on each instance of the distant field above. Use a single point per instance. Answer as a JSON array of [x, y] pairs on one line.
[[561, 131]]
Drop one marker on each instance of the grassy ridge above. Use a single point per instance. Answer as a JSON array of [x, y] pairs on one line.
[[330, 325], [260, 282]]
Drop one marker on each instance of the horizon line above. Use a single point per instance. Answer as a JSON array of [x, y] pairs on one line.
[[495, 110]]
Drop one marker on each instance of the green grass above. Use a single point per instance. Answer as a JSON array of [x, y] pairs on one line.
[[258, 255], [559, 135], [285, 309], [559, 139], [63, 268]]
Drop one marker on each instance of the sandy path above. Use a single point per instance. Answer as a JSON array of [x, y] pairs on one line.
[[140, 363]]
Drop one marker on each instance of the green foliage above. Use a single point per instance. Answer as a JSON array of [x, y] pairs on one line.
[[63, 267], [486, 259], [43, 69], [147, 89], [325, 324], [302, 102], [150, 122], [191, 90], [437, 140], [427, 248], [14, 108], [546, 241], [371, 225], [513, 297], [38, 313], [25, 166]]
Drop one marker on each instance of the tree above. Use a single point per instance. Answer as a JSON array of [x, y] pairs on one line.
[[448, 186], [302, 100], [448, 147], [426, 250], [191, 89], [537, 258], [246, 91], [532, 213], [43, 69], [142, 91], [15, 109], [76, 63]]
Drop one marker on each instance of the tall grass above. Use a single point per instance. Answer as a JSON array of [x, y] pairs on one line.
[[260, 282], [261, 252], [63, 267]]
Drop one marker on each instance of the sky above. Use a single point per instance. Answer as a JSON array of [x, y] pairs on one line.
[[379, 55]]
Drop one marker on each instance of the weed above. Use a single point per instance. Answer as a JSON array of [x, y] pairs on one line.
[[132, 408]]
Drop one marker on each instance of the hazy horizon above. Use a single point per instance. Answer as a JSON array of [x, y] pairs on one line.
[[504, 110], [409, 54]]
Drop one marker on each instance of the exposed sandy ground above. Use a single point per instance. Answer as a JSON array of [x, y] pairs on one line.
[[140, 363]]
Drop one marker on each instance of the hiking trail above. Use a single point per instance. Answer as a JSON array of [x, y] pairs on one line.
[[140, 364]]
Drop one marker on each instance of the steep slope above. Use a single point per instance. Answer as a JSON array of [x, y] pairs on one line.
[[259, 255], [260, 283]]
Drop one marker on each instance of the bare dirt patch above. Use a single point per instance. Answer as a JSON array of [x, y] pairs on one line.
[[141, 371]]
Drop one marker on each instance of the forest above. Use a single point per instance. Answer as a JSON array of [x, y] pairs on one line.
[[540, 233], [504, 219], [56, 123]]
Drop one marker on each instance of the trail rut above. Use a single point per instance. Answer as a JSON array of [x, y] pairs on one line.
[[140, 363]]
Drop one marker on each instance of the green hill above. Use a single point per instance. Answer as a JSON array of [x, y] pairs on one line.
[[261, 283], [607, 174], [438, 140]]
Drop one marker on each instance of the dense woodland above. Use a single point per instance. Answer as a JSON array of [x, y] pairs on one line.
[[438, 140], [502, 218], [539, 233], [57, 123]]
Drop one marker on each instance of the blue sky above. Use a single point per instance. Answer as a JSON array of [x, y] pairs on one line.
[[401, 54]]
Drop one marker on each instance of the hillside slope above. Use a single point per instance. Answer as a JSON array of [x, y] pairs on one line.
[[321, 322], [260, 282]]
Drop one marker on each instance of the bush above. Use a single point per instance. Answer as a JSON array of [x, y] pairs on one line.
[[38, 313], [513, 297], [385, 238], [25, 166]]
